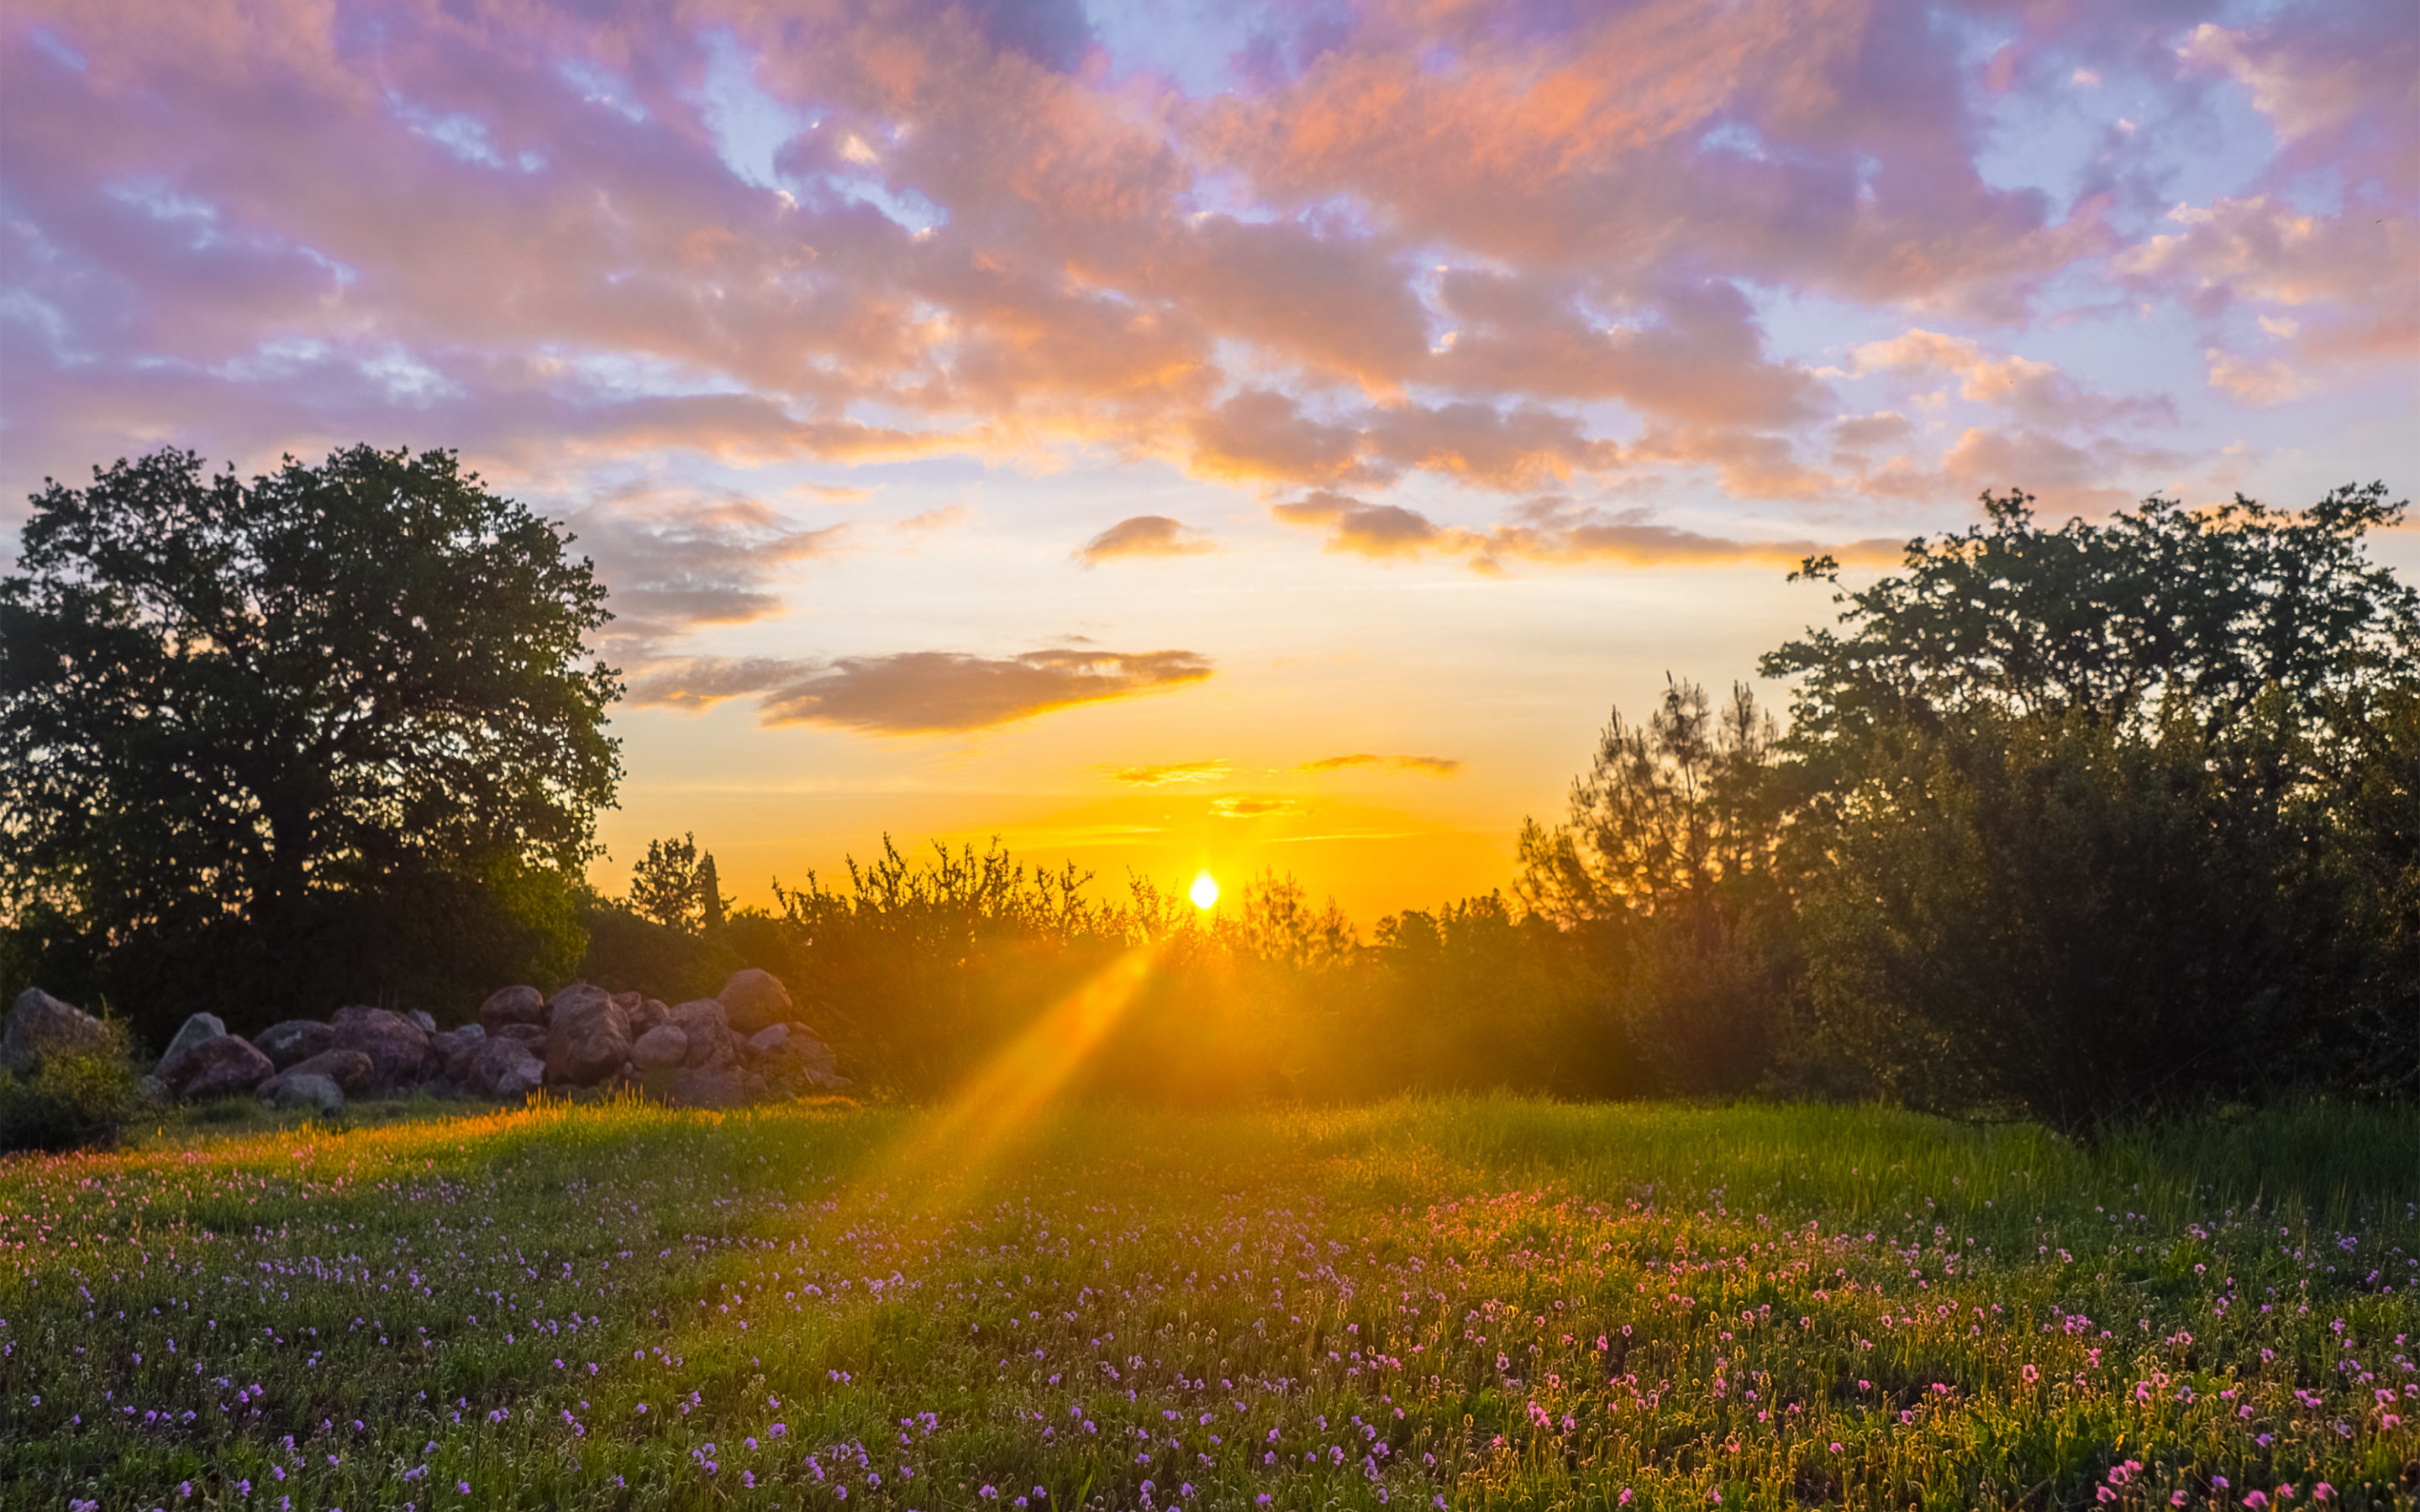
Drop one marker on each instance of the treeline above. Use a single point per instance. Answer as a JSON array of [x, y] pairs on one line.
[[2077, 822], [2072, 822]]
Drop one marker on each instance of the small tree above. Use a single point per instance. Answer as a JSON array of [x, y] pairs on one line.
[[244, 727], [1665, 859], [665, 884]]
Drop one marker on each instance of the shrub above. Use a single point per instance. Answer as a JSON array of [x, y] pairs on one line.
[[72, 1102]]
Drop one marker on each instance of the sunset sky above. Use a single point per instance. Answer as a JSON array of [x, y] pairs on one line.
[[1239, 435]]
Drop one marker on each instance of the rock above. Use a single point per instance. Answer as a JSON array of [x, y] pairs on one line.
[[197, 1028], [398, 1048], [294, 1040], [153, 1089], [298, 1089], [349, 1068], [421, 1016], [454, 1049], [714, 1086], [792, 1052], [755, 999], [227, 1066], [513, 1005], [589, 1036], [662, 1046], [650, 1013], [41, 1025], [628, 1002], [708, 1026], [503, 1067], [528, 1034]]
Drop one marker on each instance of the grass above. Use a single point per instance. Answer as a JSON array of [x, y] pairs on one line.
[[1472, 1304]]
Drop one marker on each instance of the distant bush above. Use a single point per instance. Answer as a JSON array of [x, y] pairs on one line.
[[72, 1102]]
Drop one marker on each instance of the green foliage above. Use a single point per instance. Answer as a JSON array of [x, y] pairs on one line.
[[677, 888], [239, 721], [2107, 817], [71, 1102], [1666, 867], [627, 951]]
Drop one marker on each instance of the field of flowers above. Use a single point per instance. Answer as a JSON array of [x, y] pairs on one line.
[[1432, 1304]]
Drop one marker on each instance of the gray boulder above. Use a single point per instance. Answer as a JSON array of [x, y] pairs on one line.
[[227, 1066], [754, 1000], [528, 1034], [588, 1038], [302, 1089], [349, 1068], [650, 1013], [454, 1049], [503, 1067], [708, 1026], [421, 1016], [513, 1005], [398, 1048], [294, 1040], [41, 1025], [790, 1053], [196, 1029], [661, 1047]]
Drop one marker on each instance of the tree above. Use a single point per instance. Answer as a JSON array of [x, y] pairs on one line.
[[1667, 863], [237, 720], [665, 884], [2097, 818]]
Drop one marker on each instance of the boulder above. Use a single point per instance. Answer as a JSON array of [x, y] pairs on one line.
[[662, 1046], [426, 1020], [513, 1005], [528, 1034], [650, 1013], [505, 1067], [707, 1026], [349, 1068], [227, 1066], [714, 1086], [41, 1025], [589, 1036], [755, 999], [398, 1048], [454, 1049], [294, 1040], [792, 1050], [302, 1089], [199, 1028]]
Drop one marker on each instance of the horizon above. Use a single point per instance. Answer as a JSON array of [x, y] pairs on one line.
[[1268, 443]]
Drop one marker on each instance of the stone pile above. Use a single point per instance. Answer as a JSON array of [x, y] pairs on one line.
[[736, 1047]]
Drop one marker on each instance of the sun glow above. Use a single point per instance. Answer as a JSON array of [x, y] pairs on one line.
[[1204, 891]]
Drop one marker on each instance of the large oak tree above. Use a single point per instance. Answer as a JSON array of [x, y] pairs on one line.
[[266, 740]]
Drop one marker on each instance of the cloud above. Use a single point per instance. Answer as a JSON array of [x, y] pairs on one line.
[[671, 561], [1172, 773], [2251, 381], [1431, 765], [1253, 808], [1549, 532], [922, 692], [1144, 535], [2034, 391]]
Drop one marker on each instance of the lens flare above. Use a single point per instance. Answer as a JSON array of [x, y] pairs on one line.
[[1204, 892]]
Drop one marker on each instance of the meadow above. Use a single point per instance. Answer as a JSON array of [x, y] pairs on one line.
[[1473, 1303]]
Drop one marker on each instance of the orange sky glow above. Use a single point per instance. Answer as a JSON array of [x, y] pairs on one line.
[[1182, 438]]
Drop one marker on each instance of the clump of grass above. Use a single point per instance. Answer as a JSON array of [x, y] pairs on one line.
[[1469, 1302]]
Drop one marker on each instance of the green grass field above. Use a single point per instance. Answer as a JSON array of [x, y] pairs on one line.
[[1461, 1303]]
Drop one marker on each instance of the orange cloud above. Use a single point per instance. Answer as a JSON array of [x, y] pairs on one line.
[[1172, 773], [1548, 533], [1144, 535], [1431, 765]]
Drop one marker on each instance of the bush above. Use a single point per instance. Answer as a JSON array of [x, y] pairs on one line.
[[72, 1102]]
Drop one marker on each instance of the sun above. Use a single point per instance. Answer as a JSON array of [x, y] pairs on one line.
[[1204, 891]]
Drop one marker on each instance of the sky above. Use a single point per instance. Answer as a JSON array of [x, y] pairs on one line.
[[1251, 437]]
